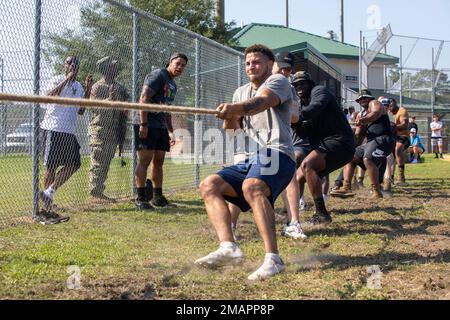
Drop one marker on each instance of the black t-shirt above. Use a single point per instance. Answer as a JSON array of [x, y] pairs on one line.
[[165, 91], [379, 127], [328, 119]]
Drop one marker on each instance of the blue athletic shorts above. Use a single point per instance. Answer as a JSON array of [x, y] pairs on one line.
[[274, 168]]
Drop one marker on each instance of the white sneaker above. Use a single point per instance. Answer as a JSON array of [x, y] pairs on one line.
[[221, 257], [268, 269], [294, 231], [302, 205]]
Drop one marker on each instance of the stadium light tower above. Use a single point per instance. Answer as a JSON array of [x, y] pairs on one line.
[[220, 13]]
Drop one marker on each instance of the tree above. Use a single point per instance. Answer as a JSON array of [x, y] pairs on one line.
[[108, 30]]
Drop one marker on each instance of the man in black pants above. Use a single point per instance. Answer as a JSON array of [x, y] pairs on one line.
[[154, 134], [330, 136], [371, 156]]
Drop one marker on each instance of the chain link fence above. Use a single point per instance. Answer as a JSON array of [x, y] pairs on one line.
[[36, 38]]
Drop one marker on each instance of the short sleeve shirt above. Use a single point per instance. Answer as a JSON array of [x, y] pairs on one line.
[[436, 125], [165, 90], [63, 118], [271, 128]]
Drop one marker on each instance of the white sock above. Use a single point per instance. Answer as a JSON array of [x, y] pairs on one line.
[[302, 199], [227, 245], [273, 256], [49, 192]]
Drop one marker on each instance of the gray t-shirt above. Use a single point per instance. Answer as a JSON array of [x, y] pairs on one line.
[[269, 129]]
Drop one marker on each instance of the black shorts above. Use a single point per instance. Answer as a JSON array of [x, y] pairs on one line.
[[405, 141], [60, 149], [157, 139], [376, 150], [338, 154]]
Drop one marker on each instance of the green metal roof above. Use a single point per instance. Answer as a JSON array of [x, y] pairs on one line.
[[276, 36]]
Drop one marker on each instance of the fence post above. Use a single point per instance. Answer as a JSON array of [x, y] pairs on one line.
[[135, 93], [36, 89], [3, 117], [197, 122]]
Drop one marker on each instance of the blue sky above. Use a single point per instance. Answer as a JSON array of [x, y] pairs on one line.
[[430, 19]]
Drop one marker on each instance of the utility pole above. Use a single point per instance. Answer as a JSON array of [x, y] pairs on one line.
[[287, 13], [342, 21], [220, 14]]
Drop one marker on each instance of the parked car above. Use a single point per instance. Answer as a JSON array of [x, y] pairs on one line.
[[20, 139]]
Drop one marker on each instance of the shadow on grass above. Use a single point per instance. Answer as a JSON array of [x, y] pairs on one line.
[[392, 228], [386, 260]]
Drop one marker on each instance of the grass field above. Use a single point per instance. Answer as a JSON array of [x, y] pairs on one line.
[[125, 254]]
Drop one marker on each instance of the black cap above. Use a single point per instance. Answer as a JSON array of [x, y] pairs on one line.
[[302, 76], [365, 94], [285, 59], [178, 55]]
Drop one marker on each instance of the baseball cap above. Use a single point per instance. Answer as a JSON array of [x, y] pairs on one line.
[[301, 76], [105, 63], [413, 130], [386, 101], [285, 59], [365, 94], [178, 55]]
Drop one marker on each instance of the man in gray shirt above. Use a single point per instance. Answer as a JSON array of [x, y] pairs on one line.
[[262, 110]]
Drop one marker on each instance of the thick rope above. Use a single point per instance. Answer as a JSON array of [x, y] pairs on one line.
[[86, 103]]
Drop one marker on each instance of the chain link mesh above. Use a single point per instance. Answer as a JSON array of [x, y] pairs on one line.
[[92, 30]]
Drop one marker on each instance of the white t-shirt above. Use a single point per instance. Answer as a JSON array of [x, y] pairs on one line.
[[62, 118], [436, 125]]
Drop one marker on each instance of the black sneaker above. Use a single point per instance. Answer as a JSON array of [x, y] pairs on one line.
[[144, 205], [149, 189], [49, 217], [159, 201], [318, 219]]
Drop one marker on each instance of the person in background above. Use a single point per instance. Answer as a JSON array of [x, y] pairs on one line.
[[104, 126], [436, 136], [61, 147], [416, 148]]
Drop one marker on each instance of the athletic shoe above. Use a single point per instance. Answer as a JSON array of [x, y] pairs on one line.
[[318, 219], [269, 268], [414, 161], [144, 205], [47, 202], [293, 231], [442, 156], [302, 205], [162, 202], [49, 217], [221, 257]]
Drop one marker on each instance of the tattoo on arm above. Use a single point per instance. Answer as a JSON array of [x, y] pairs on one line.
[[146, 94], [253, 106]]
